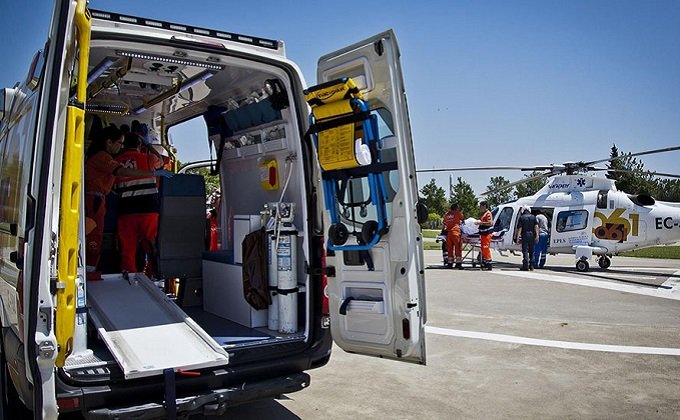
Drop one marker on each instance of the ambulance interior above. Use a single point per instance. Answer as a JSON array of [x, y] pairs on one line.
[[252, 127]]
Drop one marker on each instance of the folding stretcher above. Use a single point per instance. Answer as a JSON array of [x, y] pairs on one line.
[[345, 136]]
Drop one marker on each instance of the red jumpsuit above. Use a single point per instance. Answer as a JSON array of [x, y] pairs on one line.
[[452, 221], [138, 211], [99, 179], [485, 231]]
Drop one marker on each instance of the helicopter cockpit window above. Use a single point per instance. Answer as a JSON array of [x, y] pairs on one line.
[[504, 220], [602, 199], [572, 220]]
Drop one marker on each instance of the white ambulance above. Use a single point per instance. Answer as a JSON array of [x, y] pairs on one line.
[[340, 221]]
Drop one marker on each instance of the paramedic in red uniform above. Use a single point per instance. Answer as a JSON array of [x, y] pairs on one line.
[[452, 220], [100, 173], [485, 230], [138, 206]]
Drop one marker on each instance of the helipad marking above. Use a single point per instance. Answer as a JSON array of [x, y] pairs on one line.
[[664, 293], [673, 283], [553, 343], [648, 269]]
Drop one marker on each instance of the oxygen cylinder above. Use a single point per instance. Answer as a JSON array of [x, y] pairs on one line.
[[287, 278], [273, 279]]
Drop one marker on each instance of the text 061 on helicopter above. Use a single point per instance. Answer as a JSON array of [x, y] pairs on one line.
[[588, 215]]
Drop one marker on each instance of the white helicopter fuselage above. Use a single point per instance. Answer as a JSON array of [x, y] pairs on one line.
[[588, 213]]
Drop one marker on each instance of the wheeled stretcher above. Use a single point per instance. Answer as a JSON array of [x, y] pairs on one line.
[[471, 246]]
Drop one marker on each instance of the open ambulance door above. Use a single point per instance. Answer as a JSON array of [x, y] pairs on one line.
[[377, 296], [50, 305]]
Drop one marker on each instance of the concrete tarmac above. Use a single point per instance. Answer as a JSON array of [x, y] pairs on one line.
[[552, 343]]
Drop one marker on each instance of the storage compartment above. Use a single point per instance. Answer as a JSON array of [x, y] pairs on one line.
[[223, 288]]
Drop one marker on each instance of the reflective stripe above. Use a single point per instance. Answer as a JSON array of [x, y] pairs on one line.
[[147, 191], [132, 182]]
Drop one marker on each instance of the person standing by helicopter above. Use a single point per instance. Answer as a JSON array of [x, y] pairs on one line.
[[527, 233], [485, 224], [541, 251], [452, 220]]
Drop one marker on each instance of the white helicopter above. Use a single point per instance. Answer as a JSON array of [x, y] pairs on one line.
[[587, 214]]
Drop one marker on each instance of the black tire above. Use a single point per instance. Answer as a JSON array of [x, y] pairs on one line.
[[604, 262], [368, 231], [582, 265], [338, 234]]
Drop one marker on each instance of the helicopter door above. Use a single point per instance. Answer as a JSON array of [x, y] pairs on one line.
[[571, 226], [377, 297]]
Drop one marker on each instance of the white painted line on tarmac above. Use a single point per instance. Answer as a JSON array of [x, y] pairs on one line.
[[646, 268], [601, 284], [672, 285], [552, 343], [630, 276]]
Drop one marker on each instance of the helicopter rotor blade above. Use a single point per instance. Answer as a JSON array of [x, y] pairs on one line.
[[651, 173], [475, 168], [646, 152], [519, 182]]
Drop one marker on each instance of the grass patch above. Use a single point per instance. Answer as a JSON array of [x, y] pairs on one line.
[[430, 233], [667, 252], [431, 245]]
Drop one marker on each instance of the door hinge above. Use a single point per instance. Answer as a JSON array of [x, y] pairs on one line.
[[46, 349]]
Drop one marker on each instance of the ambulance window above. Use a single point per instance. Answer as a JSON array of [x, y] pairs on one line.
[[388, 150], [504, 219], [353, 196], [572, 220]]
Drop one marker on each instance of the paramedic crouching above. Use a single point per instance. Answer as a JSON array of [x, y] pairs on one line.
[[101, 170], [485, 231]]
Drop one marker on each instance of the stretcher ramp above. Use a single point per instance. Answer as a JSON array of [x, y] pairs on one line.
[[145, 330]]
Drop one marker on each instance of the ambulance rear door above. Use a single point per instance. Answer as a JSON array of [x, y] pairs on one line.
[[377, 297], [46, 343]]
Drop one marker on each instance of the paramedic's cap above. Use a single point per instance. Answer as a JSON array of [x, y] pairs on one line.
[[526, 209]]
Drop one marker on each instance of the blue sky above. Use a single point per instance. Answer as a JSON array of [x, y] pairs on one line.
[[488, 82]]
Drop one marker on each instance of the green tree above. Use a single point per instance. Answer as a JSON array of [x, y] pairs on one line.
[[464, 196], [667, 190], [499, 195], [212, 182], [629, 174], [532, 186], [434, 197]]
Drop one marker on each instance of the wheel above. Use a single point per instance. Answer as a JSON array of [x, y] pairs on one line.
[[604, 262], [582, 265], [338, 234], [369, 230]]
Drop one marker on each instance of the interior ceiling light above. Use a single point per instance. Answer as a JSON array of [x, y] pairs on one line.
[[106, 109], [173, 60]]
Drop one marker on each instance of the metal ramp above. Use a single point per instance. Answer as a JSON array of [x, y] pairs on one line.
[[145, 330]]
